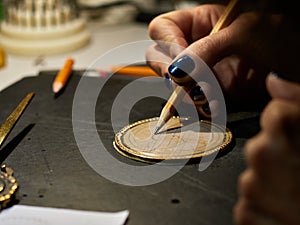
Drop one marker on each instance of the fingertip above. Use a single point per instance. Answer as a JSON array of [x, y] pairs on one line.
[[212, 48], [273, 84], [281, 88], [157, 59], [279, 117], [181, 68]]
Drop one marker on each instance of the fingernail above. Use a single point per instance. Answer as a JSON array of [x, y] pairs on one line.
[[167, 76], [168, 81], [274, 74], [181, 67], [286, 77], [197, 94]]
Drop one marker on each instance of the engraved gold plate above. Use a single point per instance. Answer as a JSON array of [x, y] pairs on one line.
[[179, 139]]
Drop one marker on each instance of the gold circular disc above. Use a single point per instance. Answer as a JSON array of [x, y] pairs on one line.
[[178, 139]]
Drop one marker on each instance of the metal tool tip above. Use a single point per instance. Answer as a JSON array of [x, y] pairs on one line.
[[156, 130], [159, 125]]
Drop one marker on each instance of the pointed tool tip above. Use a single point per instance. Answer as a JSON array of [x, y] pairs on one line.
[[157, 128], [156, 131], [159, 125]]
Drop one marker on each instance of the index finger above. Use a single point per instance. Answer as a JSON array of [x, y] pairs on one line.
[[182, 27]]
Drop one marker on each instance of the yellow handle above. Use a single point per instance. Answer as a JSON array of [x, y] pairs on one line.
[[2, 58]]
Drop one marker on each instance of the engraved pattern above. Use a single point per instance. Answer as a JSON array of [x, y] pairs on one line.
[[176, 141], [9, 185]]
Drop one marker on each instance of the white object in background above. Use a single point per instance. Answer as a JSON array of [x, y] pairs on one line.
[[181, 4], [42, 27], [32, 215], [96, 3], [144, 4]]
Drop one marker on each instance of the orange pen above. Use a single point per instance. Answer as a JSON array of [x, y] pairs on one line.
[[63, 76]]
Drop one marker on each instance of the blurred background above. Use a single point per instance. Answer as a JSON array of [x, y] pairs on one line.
[[23, 22], [140, 10], [114, 11], [34, 30]]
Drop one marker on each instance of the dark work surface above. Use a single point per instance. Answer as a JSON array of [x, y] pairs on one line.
[[52, 172]]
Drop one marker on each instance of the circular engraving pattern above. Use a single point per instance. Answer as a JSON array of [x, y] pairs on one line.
[[180, 138]]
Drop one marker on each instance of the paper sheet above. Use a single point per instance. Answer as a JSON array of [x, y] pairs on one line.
[[31, 215]]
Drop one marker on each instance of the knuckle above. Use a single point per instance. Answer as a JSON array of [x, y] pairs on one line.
[[281, 117], [247, 185], [256, 151]]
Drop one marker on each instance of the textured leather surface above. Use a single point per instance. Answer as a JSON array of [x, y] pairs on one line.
[[52, 172]]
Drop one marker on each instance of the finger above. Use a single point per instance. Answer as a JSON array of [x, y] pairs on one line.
[[257, 149], [264, 198], [184, 26], [258, 194], [228, 41], [207, 107], [199, 94], [201, 55], [280, 88], [282, 118], [203, 98], [271, 157], [157, 59], [169, 32], [276, 168], [244, 214]]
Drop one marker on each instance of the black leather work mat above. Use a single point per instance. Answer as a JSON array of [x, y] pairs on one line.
[[51, 170]]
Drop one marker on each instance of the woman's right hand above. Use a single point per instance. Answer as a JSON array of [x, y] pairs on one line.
[[240, 55]]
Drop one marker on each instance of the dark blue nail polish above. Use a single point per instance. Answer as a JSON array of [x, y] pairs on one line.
[[182, 67], [197, 95], [167, 76], [168, 81]]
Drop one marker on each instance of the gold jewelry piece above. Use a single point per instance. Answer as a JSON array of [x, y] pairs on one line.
[[8, 186]]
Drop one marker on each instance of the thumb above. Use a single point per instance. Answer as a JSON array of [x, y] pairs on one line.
[[213, 48], [280, 88], [209, 50]]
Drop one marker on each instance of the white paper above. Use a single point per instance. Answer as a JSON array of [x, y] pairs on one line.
[[32, 215]]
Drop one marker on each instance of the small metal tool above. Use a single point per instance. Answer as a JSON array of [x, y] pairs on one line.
[[13, 117], [8, 184]]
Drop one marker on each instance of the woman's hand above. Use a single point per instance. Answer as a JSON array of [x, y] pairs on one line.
[[269, 188], [240, 55]]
